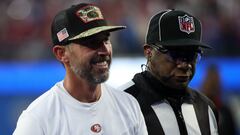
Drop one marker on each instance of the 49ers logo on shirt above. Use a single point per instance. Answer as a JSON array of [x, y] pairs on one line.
[[96, 128]]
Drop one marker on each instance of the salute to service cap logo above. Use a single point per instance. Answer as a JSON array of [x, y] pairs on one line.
[[90, 13], [77, 22]]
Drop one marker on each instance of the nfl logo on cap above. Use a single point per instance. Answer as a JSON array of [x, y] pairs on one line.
[[175, 28], [186, 24]]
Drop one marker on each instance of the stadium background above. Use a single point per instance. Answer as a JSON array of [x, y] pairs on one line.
[[28, 68]]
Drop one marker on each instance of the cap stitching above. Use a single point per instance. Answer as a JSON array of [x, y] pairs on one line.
[[159, 22], [200, 29], [149, 25]]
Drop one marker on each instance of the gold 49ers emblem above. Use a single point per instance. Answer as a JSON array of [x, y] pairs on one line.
[[89, 13]]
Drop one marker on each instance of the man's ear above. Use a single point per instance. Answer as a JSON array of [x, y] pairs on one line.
[[147, 51], [60, 53]]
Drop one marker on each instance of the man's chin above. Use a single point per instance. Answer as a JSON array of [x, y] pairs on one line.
[[101, 78], [178, 85], [182, 85]]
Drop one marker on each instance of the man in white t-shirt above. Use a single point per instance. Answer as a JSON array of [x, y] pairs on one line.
[[81, 104]]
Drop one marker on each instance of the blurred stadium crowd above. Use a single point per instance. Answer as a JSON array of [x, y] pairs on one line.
[[25, 25]]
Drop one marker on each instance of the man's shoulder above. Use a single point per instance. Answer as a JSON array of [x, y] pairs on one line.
[[130, 87], [118, 93], [199, 97], [126, 86], [44, 103], [121, 97]]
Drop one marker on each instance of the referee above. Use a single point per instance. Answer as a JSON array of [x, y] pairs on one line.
[[172, 48]]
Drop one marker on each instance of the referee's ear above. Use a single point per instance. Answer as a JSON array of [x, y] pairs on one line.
[[147, 51], [60, 53]]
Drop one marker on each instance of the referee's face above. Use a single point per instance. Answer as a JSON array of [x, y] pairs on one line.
[[90, 59], [173, 71]]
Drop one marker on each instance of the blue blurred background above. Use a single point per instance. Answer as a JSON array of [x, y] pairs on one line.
[[28, 68]]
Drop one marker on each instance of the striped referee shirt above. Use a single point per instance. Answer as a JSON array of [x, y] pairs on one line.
[[170, 112]]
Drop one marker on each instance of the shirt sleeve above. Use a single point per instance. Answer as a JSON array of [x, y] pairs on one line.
[[28, 124], [141, 129]]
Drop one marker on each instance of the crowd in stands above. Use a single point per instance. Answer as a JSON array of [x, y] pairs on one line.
[[25, 25]]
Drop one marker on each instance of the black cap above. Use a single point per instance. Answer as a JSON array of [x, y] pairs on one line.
[[79, 21], [174, 28]]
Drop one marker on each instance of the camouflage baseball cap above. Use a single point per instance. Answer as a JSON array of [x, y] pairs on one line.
[[79, 21], [174, 28]]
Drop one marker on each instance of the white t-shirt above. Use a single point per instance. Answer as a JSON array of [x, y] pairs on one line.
[[56, 112]]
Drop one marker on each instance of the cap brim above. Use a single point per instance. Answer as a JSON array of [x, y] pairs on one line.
[[185, 42], [96, 30]]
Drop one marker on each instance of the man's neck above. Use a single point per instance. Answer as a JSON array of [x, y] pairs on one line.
[[81, 89]]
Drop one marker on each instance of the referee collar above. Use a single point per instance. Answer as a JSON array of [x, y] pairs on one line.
[[154, 91]]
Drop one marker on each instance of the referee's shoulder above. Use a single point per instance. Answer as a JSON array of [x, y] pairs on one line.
[[199, 94]]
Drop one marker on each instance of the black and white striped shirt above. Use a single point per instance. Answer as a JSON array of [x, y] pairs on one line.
[[169, 112]]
